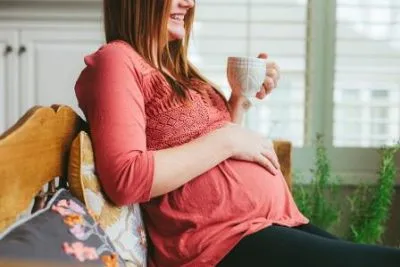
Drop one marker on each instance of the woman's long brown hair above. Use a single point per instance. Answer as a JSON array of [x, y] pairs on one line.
[[144, 25]]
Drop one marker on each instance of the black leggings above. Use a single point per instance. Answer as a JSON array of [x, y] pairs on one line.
[[306, 246]]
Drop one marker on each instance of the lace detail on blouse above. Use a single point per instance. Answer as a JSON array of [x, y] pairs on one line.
[[172, 122]]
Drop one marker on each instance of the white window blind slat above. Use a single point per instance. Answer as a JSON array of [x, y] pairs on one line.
[[368, 48], [246, 28], [373, 65]]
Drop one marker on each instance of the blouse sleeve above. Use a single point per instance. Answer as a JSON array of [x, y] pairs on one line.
[[109, 92]]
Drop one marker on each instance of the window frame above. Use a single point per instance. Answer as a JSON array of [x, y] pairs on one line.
[[351, 164]]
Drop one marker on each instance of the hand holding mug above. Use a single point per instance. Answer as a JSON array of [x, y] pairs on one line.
[[252, 77]]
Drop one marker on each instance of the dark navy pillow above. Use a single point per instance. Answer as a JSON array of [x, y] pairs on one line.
[[63, 232]]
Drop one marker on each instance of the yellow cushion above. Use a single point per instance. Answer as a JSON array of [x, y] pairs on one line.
[[123, 225]]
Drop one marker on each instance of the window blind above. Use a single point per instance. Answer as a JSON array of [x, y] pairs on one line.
[[246, 28], [367, 83]]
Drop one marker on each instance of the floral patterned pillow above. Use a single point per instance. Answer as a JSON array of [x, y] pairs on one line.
[[123, 225], [63, 232]]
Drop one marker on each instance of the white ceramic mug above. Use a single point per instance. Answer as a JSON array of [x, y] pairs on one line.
[[246, 75]]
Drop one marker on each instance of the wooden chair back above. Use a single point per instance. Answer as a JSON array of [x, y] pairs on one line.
[[32, 153]]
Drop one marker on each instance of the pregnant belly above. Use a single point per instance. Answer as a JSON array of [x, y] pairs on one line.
[[233, 188], [219, 205]]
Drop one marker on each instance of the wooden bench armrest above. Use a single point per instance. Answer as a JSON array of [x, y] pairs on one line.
[[283, 150]]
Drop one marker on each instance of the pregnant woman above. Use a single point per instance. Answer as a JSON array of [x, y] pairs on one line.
[[211, 191]]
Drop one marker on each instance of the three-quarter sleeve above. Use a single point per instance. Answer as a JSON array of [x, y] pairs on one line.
[[109, 92]]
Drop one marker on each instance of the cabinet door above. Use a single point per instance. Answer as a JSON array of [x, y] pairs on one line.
[[51, 61], [8, 79]]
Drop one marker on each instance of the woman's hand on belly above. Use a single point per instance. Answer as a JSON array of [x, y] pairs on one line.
[[251, 146]]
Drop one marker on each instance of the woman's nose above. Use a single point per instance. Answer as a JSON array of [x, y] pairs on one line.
[[187, 3]]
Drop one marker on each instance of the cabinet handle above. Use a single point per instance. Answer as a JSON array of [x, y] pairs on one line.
[[8, 50], [21, 50]]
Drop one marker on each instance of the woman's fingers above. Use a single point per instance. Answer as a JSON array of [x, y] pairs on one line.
[[266, 88], [269, 84], [262, 93], [267, 164], [274, 75], [269, 152], [274, 66], [273, 72], [263, 55], [271, 157], [271, 78]]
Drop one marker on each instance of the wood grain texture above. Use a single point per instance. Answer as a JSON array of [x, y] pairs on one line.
[[32, 153], [283, 150]]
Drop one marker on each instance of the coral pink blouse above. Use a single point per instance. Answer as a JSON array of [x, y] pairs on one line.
[[132, 114]]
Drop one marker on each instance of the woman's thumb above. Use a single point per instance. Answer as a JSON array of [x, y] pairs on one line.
[[263, 55]]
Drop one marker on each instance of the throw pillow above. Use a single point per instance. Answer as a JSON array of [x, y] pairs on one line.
[[63, 232], [123, 225]]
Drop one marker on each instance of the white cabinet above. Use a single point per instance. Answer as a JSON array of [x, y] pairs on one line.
[[8, 78], [42, 67], [51, 64]]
